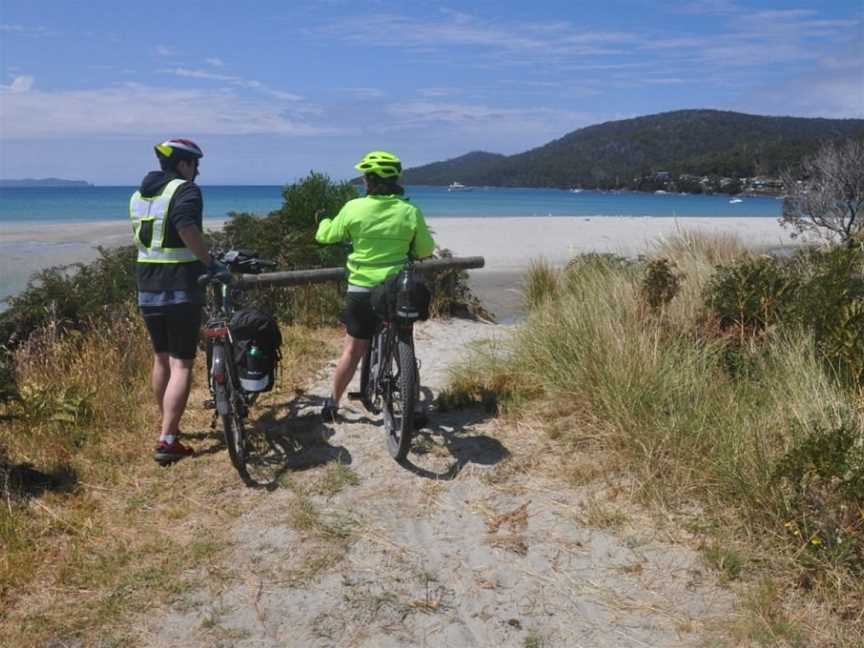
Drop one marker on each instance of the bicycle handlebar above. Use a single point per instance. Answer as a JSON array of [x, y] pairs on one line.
[[235, 260]]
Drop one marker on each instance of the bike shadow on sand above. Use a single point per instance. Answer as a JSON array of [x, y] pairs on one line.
[[295, 433], [283, 437], [450, 432]]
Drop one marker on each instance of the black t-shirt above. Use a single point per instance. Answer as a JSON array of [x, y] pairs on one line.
[[186, 208]]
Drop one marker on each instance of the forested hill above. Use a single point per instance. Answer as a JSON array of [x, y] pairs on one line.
[[615, 154]]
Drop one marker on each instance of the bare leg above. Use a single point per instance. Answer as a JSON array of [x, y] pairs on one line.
[[176, 394], [352, 353], [159, 378]]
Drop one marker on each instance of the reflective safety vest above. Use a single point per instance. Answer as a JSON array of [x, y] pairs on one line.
[[155, 211]]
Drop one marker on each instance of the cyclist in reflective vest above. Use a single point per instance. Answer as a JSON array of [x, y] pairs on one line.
[[383, 228], [167, 226]]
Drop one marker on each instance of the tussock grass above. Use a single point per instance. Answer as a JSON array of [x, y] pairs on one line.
[[656, 391], [92, 531]]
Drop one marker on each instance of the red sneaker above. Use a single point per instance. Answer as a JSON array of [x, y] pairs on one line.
[[166, 453]]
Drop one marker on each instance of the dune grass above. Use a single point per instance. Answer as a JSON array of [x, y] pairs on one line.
[[692, 417]]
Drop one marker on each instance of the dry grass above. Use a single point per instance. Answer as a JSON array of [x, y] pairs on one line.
[[108, 533]]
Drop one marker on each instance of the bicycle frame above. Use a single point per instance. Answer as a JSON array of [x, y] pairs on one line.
[[221, 368]]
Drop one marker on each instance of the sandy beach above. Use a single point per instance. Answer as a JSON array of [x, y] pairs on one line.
[[508, 244]]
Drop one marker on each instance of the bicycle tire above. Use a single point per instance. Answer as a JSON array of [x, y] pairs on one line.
[[235, 440], [371, 374], [232, 425], [400, 394]]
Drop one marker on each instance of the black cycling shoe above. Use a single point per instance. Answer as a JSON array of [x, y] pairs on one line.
[[421, 419]]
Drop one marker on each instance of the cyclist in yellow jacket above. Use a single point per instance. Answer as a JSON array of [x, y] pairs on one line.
[[384, 228]]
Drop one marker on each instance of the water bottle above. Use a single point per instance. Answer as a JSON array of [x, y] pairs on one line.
[[256, 377], [405, 308]]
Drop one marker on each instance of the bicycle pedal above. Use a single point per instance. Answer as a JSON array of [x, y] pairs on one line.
[[210, 404], [355, 396]]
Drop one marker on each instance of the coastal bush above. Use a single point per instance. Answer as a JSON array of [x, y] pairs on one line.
[[451, 294], [70, 297], [818, 290], [660, 284], [752, 295], [821, 480], [63, 299]]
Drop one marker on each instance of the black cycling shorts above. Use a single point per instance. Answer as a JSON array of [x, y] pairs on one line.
[[174, 329], [359, 318]]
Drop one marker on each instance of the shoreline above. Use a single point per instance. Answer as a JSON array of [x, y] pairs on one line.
[[509, 243]]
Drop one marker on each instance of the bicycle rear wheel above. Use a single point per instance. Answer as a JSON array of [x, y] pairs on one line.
[[400, 392]]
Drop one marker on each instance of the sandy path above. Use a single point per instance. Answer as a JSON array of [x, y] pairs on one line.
[[464, 549]]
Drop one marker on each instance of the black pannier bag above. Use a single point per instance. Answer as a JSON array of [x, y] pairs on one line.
[[385, 297], [257, 344]]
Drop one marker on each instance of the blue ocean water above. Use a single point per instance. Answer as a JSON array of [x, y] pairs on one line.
[[54, 205]]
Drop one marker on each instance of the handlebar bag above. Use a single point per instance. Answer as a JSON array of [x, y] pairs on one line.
[[257, 344]]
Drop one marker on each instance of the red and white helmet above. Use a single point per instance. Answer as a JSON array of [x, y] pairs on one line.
[[178, 149]]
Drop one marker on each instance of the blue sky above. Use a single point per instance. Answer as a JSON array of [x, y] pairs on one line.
[[273, 89]]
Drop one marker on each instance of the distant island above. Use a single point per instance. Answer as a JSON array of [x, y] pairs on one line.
[[692, 151], [30, 183]]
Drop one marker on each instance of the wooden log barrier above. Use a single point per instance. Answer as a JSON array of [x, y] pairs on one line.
[[323, 275]]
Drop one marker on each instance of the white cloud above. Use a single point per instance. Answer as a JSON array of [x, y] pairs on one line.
[[20, 84], [430, 93], [214, 61], [166, 50], [708, 7], [364, 93], [129, 109], [480, 117], [463, 30], [234, 80], [21, 29]]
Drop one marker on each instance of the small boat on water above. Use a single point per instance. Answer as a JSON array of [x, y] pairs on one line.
[[576, 190], [735, 201], [458, 186]]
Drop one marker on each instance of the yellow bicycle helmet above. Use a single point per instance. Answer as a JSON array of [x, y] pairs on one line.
[[381, 163]]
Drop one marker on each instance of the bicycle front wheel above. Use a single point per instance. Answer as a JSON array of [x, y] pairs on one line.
[[369, 375], [400, 395]]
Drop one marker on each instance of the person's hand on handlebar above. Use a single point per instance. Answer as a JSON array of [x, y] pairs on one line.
[[218, 270]]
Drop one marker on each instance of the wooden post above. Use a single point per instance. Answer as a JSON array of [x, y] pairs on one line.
[[323, 275]]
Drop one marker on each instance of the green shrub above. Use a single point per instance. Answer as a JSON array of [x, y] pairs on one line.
[[451, 295], [66, 298], [822, 482], [660, 284], [69, 297], [831, 304], [752, 295], [820, 291]]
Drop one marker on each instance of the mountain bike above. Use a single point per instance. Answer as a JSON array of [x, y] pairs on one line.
[[228, 398], [390, 376]]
